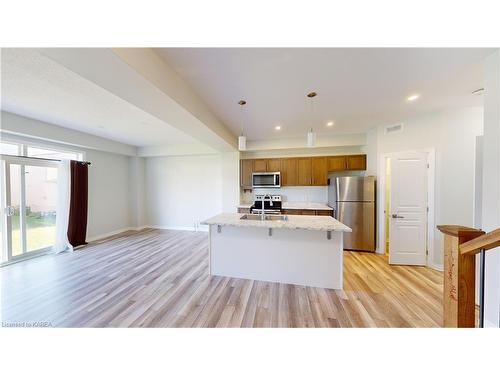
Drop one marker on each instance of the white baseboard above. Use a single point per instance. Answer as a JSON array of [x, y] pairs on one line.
[[112, 233], [489, 324], [437, 267]]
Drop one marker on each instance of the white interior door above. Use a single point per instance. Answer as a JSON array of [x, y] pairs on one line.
[[408, 209]]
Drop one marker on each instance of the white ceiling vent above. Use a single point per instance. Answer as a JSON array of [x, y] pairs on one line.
[[391, 129]]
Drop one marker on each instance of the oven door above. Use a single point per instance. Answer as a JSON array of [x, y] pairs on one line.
[[266, 180]]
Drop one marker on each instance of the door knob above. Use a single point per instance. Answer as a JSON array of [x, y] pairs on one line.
[[396, 216]]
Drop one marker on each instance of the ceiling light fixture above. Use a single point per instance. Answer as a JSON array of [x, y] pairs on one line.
[[412, 98], [277, 127], [242, 140], [311, 136], [329, 123]]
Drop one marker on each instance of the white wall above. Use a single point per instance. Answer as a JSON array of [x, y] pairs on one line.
[[182, 191], [491, 184], [230, 180], [109, 204], [304, 151], [137, 192], [316, 194], [452, 134]]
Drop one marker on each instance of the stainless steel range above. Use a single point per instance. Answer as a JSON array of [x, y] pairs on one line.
[[272, 204]]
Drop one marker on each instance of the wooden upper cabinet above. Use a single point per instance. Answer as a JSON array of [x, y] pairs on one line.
[[289, 170], [273, 165], [246, 169], [304, 171], [301, 171], [319, 172], [356, 162], [337, 163], [260, 165]]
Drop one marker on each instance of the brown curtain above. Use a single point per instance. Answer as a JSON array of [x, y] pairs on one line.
[[77, 227]]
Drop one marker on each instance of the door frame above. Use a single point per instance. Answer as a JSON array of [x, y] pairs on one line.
[[6, 161], [431, 187]]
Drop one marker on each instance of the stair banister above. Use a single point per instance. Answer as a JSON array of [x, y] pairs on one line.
[[480, 244], [461, 244]]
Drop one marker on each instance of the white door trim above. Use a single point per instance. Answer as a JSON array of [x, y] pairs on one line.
[[431, 160]]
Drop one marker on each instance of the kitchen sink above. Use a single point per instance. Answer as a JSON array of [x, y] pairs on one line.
[[266, 217]]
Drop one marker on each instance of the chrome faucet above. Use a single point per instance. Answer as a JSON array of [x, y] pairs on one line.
[[264, 198]]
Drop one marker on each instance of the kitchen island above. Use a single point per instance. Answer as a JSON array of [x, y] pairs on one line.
[[292, 249]]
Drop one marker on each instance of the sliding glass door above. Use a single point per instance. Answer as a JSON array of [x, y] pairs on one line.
[[29, 203]]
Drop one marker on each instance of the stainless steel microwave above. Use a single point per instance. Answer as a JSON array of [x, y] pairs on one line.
[[266, 180]]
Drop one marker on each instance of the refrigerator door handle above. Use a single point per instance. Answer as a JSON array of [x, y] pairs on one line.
[[337, 197]]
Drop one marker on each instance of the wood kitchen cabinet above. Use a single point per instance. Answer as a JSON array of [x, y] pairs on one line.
[[289, 170], [273, 165], [260, 165], [324, 213], [304, 171], [292, 211], [337, 163], [301, 171], [246, 170], [319, 172], [356, 162], [267, 165]]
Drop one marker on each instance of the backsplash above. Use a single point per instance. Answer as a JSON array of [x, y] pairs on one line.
[[316, 194]]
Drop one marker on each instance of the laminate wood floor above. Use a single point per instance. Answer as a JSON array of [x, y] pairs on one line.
[[159, 278]]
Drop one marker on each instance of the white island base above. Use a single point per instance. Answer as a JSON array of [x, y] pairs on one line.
[[292, 256]]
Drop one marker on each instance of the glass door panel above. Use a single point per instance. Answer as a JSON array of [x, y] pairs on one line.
[[3, 211], [40, 207], [28, 203], [14, 209]]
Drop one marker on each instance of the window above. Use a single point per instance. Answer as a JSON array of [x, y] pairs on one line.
[[38, 151], [10, 148], [45, 153]]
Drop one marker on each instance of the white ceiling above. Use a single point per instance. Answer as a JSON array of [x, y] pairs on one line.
[[37, 87], [357, 88]]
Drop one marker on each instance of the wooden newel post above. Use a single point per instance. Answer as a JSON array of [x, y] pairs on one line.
[[459, 289]]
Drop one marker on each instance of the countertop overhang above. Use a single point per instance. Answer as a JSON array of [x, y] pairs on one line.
[[319, 223]]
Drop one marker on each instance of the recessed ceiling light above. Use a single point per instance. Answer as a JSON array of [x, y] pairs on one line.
[[412, 98], [277, 127], [329, 123]]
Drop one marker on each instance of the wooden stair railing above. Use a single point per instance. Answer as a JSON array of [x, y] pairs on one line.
[[461, 244]]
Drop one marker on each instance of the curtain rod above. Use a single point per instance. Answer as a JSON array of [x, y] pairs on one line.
[[30, 157]]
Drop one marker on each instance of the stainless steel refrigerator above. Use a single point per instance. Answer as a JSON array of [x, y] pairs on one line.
[[355, 207]]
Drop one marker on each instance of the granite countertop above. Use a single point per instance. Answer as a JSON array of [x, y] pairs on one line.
[[245, 205], [295, 206], [305, 206], [321, 223]]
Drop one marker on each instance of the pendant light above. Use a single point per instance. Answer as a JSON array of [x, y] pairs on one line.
[[311, 136], [242, 140]]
